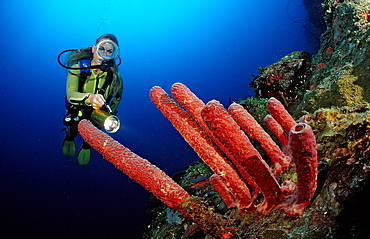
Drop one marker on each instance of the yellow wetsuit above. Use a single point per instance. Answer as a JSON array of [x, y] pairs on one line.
[[92, 85], [94, 81]]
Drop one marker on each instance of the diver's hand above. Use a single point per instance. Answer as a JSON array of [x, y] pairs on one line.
[[96, 101]]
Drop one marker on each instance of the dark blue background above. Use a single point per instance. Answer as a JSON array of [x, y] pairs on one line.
[[212, 46]]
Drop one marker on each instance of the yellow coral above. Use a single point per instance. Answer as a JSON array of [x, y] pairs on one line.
[[350, 94]]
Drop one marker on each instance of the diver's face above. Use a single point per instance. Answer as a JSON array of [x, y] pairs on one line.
[[97, 59]]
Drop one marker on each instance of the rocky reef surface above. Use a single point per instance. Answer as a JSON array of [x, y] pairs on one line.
[[331, 92]]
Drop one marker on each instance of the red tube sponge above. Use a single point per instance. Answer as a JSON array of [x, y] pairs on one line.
[[138, 169], [193, 105], [303, 146], [258, 134], [229, 134], [224, 192], [280, 114], [201, 144]]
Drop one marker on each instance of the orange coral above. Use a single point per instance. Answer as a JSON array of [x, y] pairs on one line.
[[319, 66], [329, 51], [271, 79], [313, 86]]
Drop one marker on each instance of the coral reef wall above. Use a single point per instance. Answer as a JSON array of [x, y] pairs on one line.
[[340, 69], [335, 102]]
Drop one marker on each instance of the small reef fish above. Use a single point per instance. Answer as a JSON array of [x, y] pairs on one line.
[[200, 181]]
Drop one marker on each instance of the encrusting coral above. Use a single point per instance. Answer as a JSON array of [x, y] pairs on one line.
[[284, 79]]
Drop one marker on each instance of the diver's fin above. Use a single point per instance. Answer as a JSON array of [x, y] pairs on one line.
[[83, 157], [69, 147]]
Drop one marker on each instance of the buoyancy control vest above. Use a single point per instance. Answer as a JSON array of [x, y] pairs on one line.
[[75, 112]]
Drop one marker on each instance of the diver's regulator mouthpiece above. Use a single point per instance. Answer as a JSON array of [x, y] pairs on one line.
[[107, 121]]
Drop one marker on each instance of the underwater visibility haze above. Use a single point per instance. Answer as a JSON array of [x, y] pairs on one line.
[[212, 46]]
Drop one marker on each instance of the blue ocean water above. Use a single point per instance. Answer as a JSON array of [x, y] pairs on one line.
[[212, 46]]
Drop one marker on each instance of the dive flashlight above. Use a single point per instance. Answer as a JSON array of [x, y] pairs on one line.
[[107, 121]]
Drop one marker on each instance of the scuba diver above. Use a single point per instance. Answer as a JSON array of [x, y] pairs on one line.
[[94, 89]]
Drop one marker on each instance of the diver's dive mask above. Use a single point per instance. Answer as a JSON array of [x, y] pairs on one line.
[[107, 49]]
